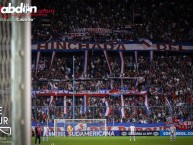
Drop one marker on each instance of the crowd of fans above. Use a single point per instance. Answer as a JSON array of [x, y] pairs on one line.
[[167, 78], [135, 111], [123, 20], [61, 69]]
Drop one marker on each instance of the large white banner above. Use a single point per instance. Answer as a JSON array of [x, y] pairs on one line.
[[109, 46]]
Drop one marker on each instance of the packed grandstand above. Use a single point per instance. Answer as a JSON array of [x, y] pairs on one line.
[[146, 79]]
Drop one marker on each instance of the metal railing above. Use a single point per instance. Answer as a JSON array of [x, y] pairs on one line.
[[139, 114]]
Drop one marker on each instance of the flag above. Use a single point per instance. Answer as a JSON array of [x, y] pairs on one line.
[[81, 108], [103, 100], [85, 61], [51, 100], [53, 87], [122, 107], [53, 55], [43, 110], [107, 59], [42, 65], [85, 103], [47, 110], [136, 82], [136, 65], [37, 61], [122, 62], [136, 57], [146, 104], [106, 109], [135, 108], [65, 105], [168, 105]]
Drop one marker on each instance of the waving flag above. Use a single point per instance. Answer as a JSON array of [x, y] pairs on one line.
[[44, 110], [168, 105], [122, 107], [65, 105], [83, 106], [122, 62], [85, 61], [51, 100], [85, 103], [103, 100], [107, 110], [47, 109], [53, 55], [136, 82], [37, 61], [107, 59], [53, 87], [136, 65], [146, 104], [134, 110]]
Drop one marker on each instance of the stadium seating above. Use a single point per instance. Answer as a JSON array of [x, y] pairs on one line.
[[161, 21], [161, 80], [168, 75]]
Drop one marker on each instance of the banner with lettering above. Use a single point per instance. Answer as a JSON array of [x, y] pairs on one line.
[[92, 30], [96, 129], [66, 46]]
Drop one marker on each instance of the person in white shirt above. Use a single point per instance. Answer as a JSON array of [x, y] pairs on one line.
[[45, 133], [132, 131], [172, 133]]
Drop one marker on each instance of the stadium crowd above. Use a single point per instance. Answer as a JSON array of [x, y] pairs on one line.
[[95, 109], [123, 20], [168, 75], [167, 78]]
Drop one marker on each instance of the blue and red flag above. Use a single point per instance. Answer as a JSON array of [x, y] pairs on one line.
[[107, 109], [122, 107]]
